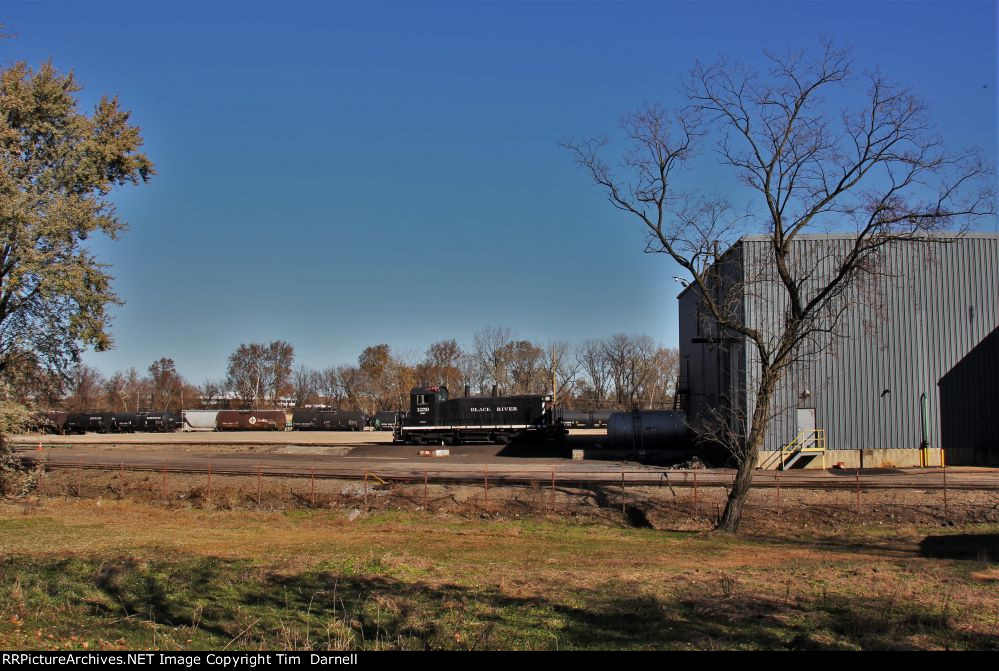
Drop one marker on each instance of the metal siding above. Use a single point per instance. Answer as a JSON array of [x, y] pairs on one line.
[[905, 342], [969, 403], [709, 372], [922, 333]]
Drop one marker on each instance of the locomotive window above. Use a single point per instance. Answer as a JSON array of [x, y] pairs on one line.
[[421, 399]]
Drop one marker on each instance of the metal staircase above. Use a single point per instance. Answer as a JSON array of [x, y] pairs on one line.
[[806, 446]]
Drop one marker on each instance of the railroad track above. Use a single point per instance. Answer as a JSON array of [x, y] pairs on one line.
[[562, 474]]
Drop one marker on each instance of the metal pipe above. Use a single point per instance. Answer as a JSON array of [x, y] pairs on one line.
[[925, 424]]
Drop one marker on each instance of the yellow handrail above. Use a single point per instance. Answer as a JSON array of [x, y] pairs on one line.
[[808, 440], [811, 441]]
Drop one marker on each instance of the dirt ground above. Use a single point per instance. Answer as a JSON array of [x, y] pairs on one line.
[[122, 559], [658, 507]]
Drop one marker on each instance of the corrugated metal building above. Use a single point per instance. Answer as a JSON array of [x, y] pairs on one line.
[[969, 403], [875, 387]]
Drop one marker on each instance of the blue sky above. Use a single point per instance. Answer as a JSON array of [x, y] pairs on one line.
[[338, 175]]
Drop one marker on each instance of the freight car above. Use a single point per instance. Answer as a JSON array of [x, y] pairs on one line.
[[93, 422], [52, 422], [327, 420], [385, 420], [159, 422], [110, 422], [306, 420], [648, 429], [586, 419], [199, 420], [250, 420], [433, 418], [127, 422]]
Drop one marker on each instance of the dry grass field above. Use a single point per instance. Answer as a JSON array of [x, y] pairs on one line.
[[103, 572]]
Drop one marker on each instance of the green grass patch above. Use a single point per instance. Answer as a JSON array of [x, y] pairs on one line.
[[412, 581]]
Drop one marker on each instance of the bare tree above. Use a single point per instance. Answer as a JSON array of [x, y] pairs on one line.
[[350, 386], [86, 385], [375, 365], [559, 370], [441, 364], [115, 395], [492, 351], [212, 393], [402, 378], [525, 373], [659, 384], [329, 387], [590, 356], [261, 372], [629, 360], [305, 384], [136, 390], [876, 172], [471, 372], [165, 384]]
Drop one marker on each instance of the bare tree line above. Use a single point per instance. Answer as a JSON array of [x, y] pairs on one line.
[[161, 388], [621, 371]]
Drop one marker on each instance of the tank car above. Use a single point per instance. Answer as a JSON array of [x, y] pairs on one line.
[[250, 420]]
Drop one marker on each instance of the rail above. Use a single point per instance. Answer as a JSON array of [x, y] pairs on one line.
[[474, 473]]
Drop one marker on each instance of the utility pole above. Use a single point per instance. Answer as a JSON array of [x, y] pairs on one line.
[[554, 378]]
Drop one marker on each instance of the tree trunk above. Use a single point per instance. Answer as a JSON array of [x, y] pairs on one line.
[[747, 456]]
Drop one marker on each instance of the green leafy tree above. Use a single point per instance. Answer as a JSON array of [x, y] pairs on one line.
[[58, 167], [14, 417]]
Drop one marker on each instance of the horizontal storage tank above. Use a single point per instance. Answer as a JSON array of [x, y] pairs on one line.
[[159, 421], [90, 422], [343, 420], [585, 419], [576, 418], [250, 420], [647, 430], [600, 418], [53, 422], [127, 422], [199, 420], [306, 420]]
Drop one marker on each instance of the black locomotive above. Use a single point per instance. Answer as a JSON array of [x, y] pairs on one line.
[[435, 419]]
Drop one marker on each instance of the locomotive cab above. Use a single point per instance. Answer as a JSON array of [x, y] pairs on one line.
[[424, 405]]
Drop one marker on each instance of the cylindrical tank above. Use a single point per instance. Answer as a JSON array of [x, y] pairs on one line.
[[647, 430], [159, 421], [54, 422], [127, 422], [250, 420], [343, 420], [599, 418], [95, 422], [199, 420], [77, 422], [305, 420], [576, 419]]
